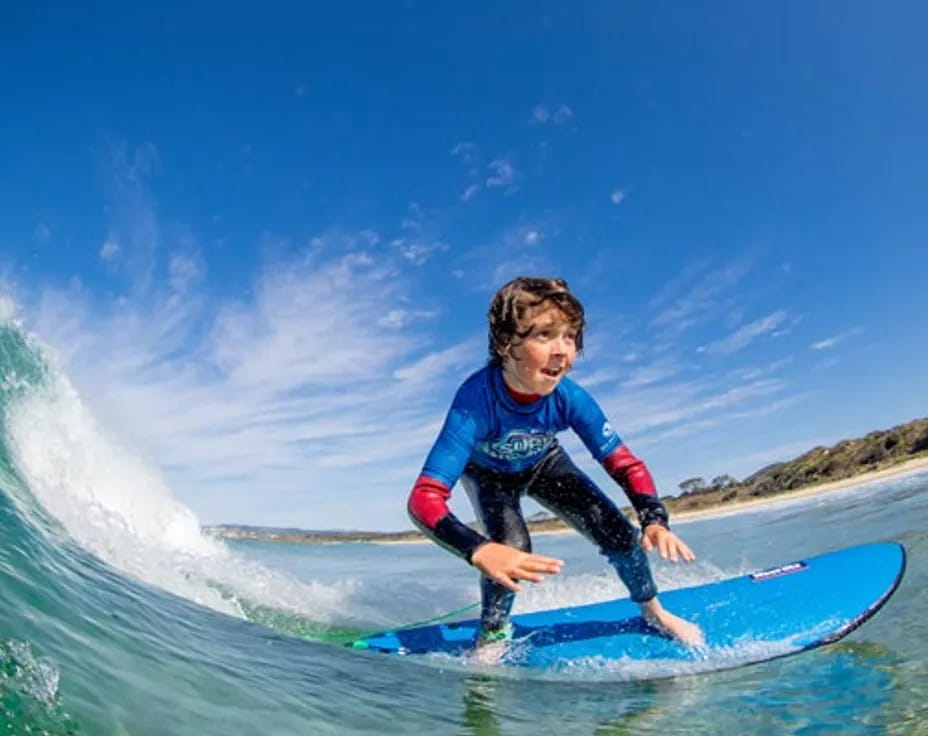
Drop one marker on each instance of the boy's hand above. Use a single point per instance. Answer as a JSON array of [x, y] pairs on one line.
[[668, 545], [507, 565]]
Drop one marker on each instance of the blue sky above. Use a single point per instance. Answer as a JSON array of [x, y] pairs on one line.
[[262, 240]]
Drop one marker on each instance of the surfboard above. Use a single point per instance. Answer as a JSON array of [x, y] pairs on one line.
[[766, 614]]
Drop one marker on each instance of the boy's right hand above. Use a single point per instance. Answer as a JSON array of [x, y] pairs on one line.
[[507, 565]]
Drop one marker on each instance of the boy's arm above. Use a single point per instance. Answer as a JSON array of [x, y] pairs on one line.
[[428, 501], [428, 509], [635, 478]]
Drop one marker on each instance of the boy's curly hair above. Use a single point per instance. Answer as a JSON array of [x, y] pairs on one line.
[[517, 303]]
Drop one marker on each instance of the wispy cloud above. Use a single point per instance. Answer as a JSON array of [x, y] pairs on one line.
[[750, 374], [469, 192], [433, 365], [650, 407], [691, 303], [42, 233], [830, 342], [418, 251], [722, 419], [134, 221], [464, 149], [397, 318], [596, 378], [617, 196], [504, 174], [532, 237], [109, 250], [744, 336], [653, 373], [542, 114]]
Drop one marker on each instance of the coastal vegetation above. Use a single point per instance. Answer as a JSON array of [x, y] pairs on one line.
[[876, 451]]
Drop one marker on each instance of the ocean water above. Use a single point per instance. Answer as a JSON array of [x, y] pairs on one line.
[[118, 617]]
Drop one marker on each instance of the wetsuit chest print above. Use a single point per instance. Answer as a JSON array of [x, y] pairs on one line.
[[518, 444]]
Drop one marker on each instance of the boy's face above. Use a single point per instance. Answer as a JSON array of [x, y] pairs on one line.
[[538, 363]]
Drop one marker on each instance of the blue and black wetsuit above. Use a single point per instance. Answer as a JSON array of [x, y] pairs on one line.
[[502, 446]]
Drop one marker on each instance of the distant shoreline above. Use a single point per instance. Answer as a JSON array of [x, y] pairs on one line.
[[908, 467], [556, 526]]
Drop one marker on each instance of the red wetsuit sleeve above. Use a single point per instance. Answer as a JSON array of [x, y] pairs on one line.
[[428, 509], [428, 502], [635, 478]]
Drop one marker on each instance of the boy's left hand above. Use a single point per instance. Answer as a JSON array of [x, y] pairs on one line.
[[668, 545]]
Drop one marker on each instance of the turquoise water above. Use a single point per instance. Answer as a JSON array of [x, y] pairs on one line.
[[118, 617]]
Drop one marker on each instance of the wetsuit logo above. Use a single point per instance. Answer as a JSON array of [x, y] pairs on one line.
[[608, 431], [518, 445]]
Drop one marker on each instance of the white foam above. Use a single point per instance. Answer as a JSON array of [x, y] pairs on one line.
[[559, 591]]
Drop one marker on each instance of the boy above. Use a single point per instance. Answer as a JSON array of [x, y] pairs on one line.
[[499, 440]]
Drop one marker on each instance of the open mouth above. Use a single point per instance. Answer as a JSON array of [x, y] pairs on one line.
[[551, 372]]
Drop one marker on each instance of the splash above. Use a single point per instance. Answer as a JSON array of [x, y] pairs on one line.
[[29, 700]]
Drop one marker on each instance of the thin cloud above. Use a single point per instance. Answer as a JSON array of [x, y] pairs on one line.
[[596, 378], [134, 220], [701, 301], [542, 114], [418, 252], [649, 407], [504, 173], [433, 365], [724, 419], [532, 237], [109, 250], [750, 374], [469, 193], [463, 149], [747, 334], [834, 340], [42, 233], [617, 196], [653, 373], [563, 115]]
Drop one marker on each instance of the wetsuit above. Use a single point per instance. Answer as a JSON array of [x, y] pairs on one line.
[[502, 445]]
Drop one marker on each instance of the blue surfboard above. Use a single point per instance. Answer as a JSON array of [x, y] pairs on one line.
[[763, 615]]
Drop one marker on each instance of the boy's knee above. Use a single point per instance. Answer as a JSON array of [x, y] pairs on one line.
[[521, 542]]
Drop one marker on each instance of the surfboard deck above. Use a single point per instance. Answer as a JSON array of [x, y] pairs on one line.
[[763, 615]]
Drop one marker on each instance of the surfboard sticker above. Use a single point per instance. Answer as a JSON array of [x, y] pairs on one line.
[[775, 572], [752, 618]]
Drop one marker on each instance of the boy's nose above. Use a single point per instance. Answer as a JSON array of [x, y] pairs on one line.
[[560, 346]]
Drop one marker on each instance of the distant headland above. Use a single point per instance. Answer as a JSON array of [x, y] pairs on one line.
[[882, 452]]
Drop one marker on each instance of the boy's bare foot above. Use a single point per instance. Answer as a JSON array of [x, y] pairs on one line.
[[679, 628], [492, 646]]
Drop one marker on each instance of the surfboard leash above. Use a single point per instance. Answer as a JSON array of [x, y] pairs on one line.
[[353, 639]]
